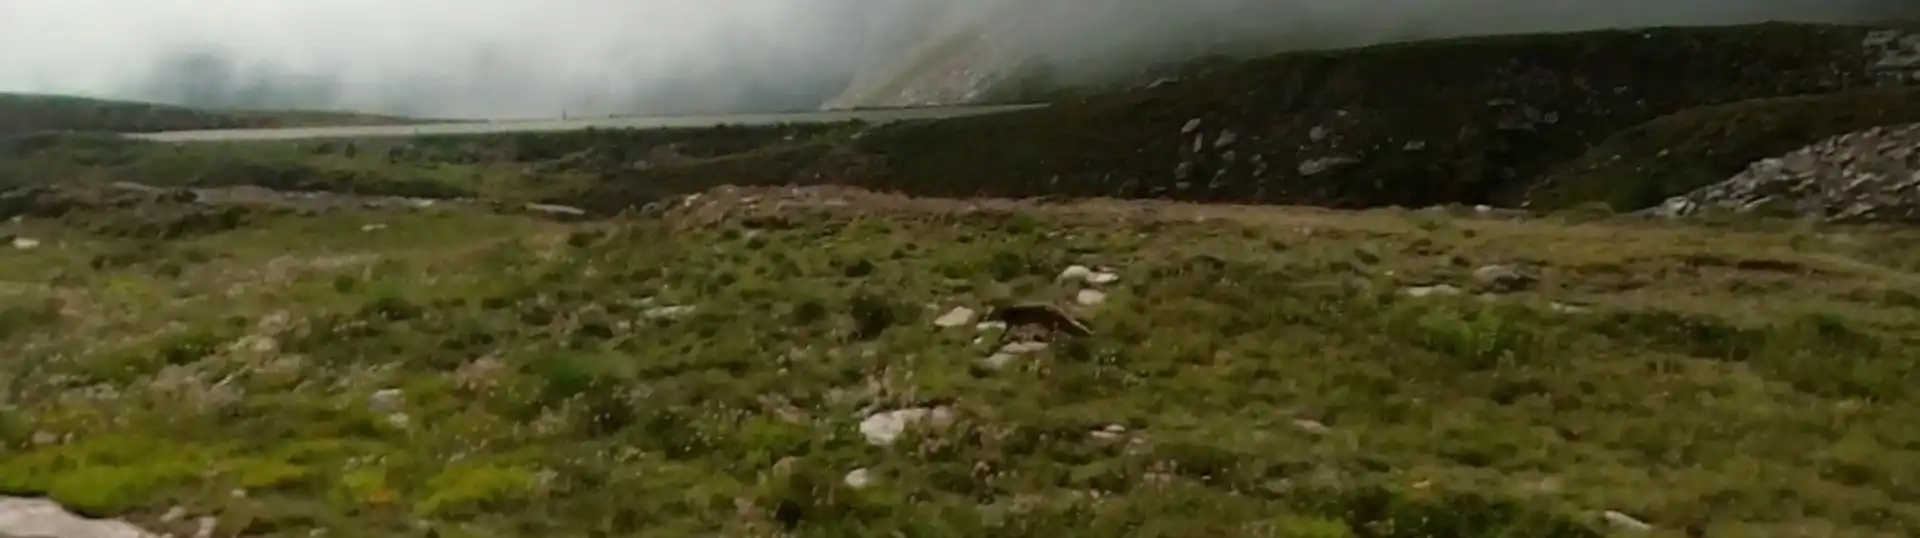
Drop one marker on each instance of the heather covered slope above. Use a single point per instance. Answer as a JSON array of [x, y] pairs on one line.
[[1476, 120]]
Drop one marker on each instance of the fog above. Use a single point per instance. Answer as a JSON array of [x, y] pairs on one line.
[[545, 58]]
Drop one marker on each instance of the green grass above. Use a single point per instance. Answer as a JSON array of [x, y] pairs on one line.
[[1744, 382]]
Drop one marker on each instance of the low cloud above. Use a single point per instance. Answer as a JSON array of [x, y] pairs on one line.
[[540, 58]]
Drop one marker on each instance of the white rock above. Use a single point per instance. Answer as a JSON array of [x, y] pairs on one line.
[[1011, 351], [1625, 522], [26, 243], [1191, 125], [1076, 272], [1090, 297], [1022, 348], [386, 401], [1312, 426], [208, 524], [553, 209], [960, 315], [882, 429], [1088, 275], [990, 326], [373, 227], [1226, 139], [1323, 164], [667, 312], [1425, 291], [998, 360], [41, 518], [859, 478], [1569, 308]]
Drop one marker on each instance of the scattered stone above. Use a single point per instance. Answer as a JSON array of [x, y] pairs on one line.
[[373, 227], [667, 312], [985, 326], [400, 420], [385, 401], [960, 315], [1311, 426], [1011, 351], [1895, 55], [1039, 315], [1022, 348], [41, 518], [1076, 272], [1088, 275], [208, 524], [557, 210], [1318, 133], [173, 514], [1225, 140], [1570, 308], [1090, 297], [882, 429], [1415, 145], [1866, 176], [1112, 432], [1428, 291], [1317, 166], [137, 187], [859, 478], [1625, 522], [1504, 278], [1191, 126], [25, 243], [44, 438]]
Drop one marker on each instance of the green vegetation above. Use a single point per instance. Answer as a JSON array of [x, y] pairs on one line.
[[1260, 374], [30, 113], [184, 337]]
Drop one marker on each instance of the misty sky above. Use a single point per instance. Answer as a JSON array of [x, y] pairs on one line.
[[536, 58]]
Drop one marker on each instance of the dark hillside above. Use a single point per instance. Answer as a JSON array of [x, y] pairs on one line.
[[28, 113], [1471, 120]]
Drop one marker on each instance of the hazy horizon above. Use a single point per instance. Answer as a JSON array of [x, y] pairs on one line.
[[522, 58]]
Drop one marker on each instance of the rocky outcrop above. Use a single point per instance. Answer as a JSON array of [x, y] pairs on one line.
[[41, 518], [1867, 176], [1896, 55]]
